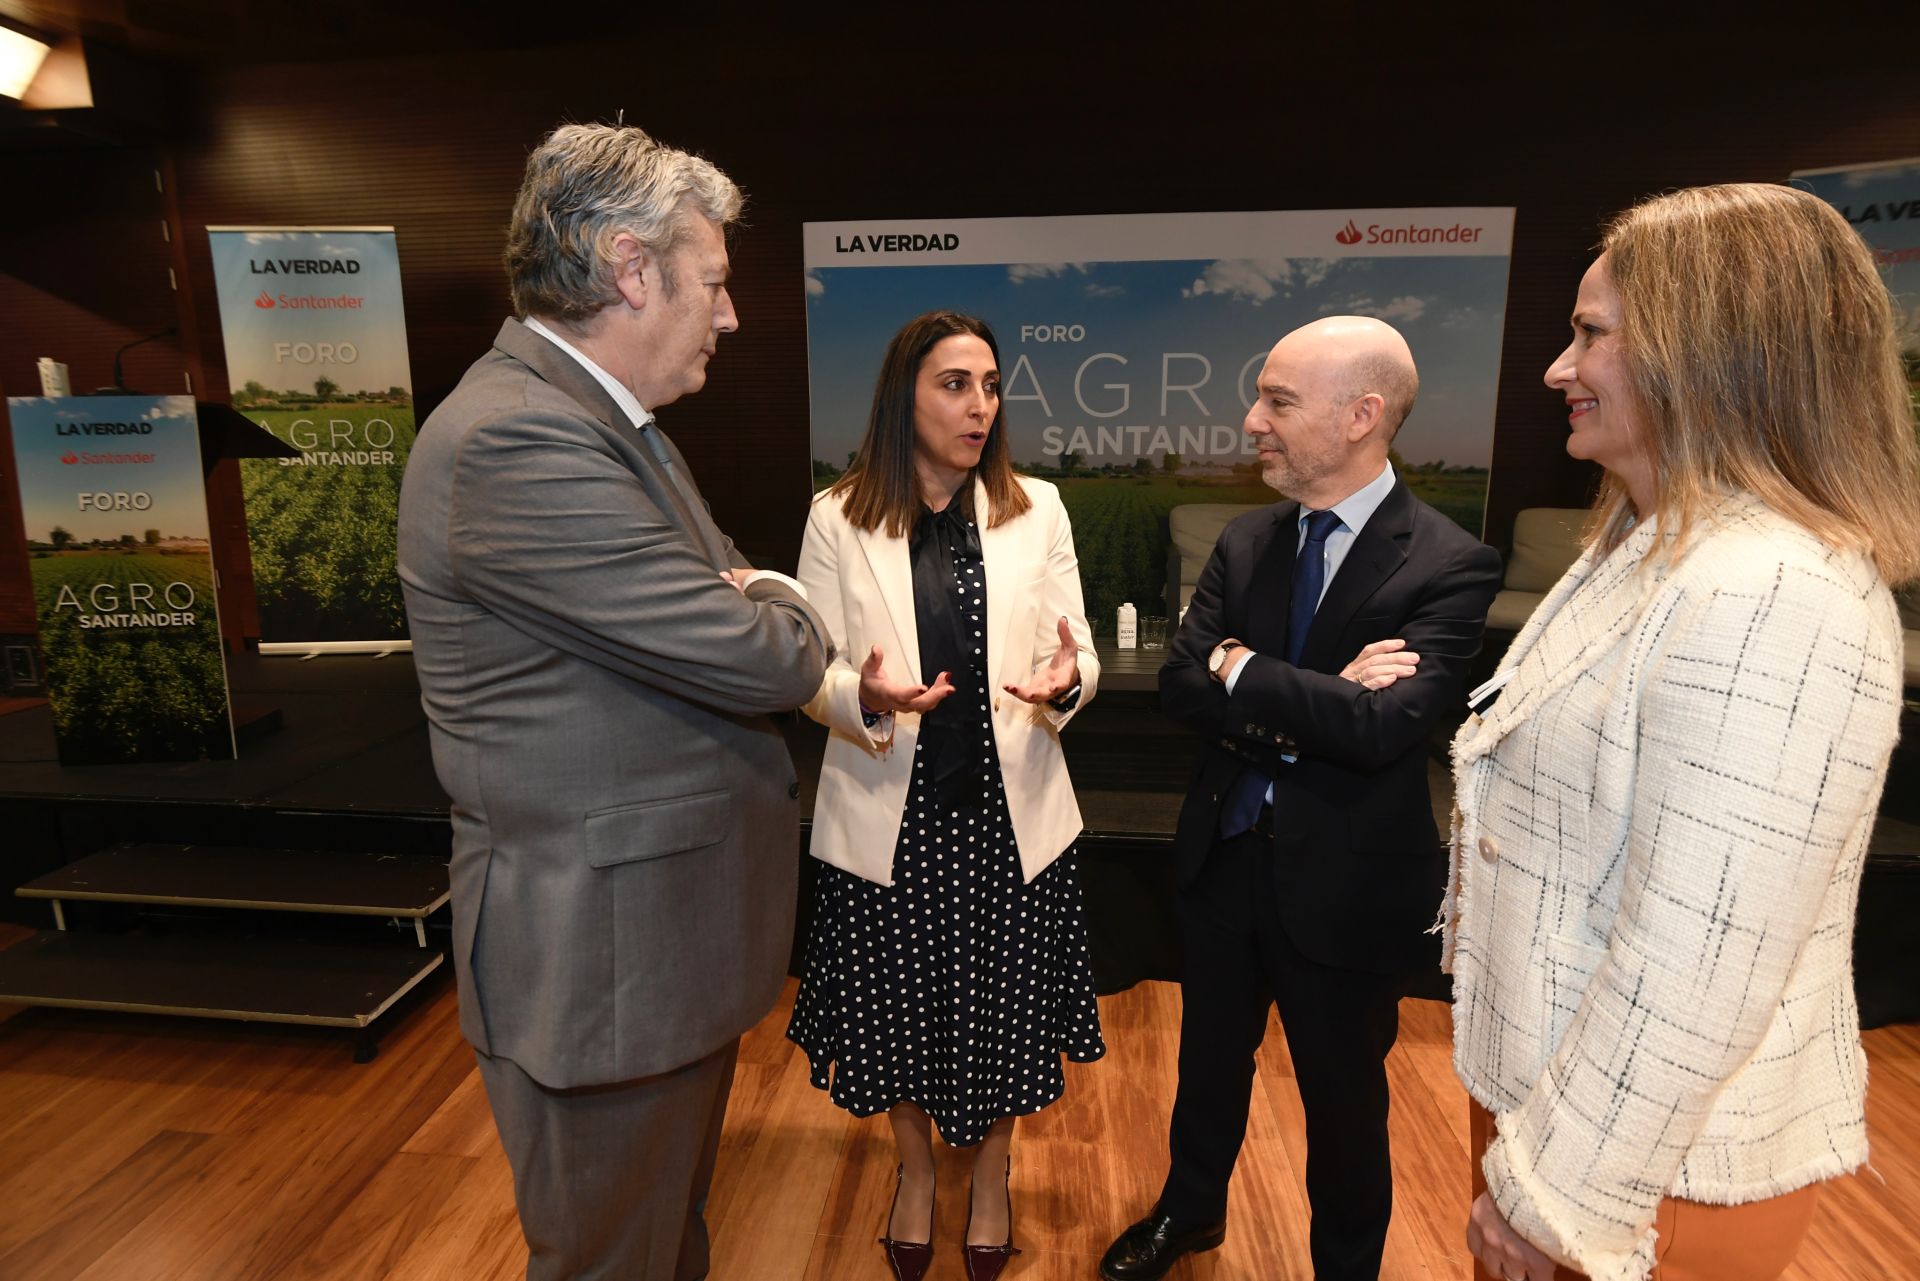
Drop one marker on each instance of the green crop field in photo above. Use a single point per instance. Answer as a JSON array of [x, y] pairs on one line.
[[1119, 533], [323, 536], [134, 695]]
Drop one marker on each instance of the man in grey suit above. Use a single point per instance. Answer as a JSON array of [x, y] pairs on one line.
[[597, 663]]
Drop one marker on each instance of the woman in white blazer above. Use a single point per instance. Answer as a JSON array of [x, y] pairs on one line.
[[947, 970], [1661, 821]]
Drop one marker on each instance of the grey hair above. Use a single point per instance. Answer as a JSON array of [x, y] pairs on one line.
[[585, 184], [1394, 381]]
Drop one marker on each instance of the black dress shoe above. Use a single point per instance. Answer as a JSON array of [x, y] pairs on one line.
[[1148, 1249]]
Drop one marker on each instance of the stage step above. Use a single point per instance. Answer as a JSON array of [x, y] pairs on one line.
[[269, 981], [403, 885], [212, 974]]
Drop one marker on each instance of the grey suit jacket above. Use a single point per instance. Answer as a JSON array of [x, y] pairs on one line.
[[626, 819]]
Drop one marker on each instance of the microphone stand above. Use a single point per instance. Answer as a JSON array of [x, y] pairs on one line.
[[119, 387]]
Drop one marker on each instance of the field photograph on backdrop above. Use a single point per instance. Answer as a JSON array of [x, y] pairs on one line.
[[316, 347], [117, 545], [1130, 346], [1882, 202]]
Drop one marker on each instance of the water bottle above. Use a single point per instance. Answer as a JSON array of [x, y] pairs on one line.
[[53, 378], [1127, 630]]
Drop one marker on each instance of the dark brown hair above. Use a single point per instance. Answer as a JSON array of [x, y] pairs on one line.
[[881, 486]]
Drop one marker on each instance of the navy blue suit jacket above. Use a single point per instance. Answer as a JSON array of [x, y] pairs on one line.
[[1359, 867]]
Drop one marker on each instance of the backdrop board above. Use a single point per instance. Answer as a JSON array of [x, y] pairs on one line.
[[1882, 201], [316, 346], [1130, 345], [116, 513]]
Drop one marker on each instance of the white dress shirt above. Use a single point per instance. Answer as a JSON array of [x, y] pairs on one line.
[[1354, 511]]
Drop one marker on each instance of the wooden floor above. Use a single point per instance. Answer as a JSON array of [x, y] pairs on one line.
[[135, 1149]]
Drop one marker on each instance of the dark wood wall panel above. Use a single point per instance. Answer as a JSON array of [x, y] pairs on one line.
[[83, 271], [971, 124]]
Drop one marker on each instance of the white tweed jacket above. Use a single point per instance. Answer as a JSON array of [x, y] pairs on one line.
[[1657, 849]]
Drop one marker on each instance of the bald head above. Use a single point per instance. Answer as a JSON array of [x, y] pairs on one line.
[[1349, 357], [1332, 394]]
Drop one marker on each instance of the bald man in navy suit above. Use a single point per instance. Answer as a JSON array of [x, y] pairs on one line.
[[1328, 637]]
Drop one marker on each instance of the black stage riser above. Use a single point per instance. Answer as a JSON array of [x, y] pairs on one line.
[[44, 833]]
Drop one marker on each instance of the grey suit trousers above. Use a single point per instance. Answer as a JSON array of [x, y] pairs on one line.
[[611, 1180]]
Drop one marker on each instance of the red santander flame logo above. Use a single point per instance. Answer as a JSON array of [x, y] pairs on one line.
[[1348, 235], [264, 301], [69, 458]]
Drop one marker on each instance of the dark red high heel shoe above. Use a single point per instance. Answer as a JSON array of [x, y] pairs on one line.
[[986, 1262], [908, 1259]]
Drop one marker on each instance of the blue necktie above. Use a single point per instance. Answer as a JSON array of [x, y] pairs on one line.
[[1249, 791]]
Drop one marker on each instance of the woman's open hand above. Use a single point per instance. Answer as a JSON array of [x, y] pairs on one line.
[[1060, 673], [881, 693]]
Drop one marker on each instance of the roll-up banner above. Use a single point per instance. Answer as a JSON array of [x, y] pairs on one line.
[[1130, 345], [116, 513], [1882, 201], [316, 345]]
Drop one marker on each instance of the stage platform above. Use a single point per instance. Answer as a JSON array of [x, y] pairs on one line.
[[350, 769], [353, 741]]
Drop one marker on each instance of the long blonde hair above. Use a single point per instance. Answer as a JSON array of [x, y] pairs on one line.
[[1762, 351]]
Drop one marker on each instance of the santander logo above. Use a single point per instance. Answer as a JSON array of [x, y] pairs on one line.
[[264, 301], [1410, 234], [69, 458]]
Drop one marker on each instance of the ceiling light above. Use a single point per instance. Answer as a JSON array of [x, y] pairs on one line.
[[20, 59]]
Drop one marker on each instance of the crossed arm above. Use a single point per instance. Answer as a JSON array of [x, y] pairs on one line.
[[1365, 716], [562, 541]]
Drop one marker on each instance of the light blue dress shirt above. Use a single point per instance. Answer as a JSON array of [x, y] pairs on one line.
[[1354, 511]]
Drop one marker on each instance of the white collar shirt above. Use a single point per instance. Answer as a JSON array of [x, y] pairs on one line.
[[1354, 511], [642, 420], [629, 403]]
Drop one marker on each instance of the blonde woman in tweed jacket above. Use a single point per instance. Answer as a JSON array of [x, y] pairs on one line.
[[1661, 822]]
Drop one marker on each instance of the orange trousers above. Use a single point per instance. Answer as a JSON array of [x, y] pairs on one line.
[[1697, 1242]]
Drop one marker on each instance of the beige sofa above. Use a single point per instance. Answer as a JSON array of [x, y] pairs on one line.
[[1192, 530], [1546, 541]]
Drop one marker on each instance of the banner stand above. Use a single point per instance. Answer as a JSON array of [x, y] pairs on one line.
[[112, 492], [313, 649], [313, 324]]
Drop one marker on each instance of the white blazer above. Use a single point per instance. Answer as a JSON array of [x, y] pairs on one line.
[[1658, 844], [861, 584]]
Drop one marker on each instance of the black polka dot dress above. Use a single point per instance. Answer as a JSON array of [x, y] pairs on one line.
[[959, 987]]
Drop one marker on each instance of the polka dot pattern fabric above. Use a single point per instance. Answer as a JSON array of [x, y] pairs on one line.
[[959, 987]]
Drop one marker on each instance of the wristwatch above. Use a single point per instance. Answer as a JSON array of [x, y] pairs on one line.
[[1218, 659]]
